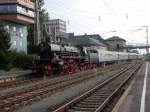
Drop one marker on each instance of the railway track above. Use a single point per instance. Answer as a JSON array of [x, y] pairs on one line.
[[22, 97], [16, 82], [19, 81], [11, 78], [98, 98]]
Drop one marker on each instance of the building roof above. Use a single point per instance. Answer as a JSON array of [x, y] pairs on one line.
[[115, 38], [86, 40]]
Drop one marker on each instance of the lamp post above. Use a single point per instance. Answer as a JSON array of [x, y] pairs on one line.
[[37, 25], [147, 49]]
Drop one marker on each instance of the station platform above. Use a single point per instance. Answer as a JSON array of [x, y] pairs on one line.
[[137, 96], [7, 76]]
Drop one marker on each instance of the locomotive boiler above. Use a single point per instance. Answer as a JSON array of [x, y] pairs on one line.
[[54, 59]]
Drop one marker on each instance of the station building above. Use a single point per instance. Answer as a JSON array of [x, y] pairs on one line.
[[93, 41], [15, 16], [115, 41]]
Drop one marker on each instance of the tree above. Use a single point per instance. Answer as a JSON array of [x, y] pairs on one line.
[[43, 16], [4, 45], [30, 38], [41, 4]]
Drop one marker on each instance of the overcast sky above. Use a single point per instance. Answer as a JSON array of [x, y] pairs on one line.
[[103, 16]]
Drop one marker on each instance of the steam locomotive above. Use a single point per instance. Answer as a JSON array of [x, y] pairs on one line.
[[60, 59]]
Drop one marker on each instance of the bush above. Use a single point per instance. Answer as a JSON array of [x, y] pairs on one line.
[[4, 47], [20, 60], [4, 61], [17, 60], [147, 58]]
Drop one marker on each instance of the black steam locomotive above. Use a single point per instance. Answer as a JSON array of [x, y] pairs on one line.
[[54, 59]]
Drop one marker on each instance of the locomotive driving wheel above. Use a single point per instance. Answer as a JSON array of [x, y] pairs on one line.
[[48, 70]]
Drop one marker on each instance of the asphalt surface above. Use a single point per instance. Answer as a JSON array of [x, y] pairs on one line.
[[138, 97]]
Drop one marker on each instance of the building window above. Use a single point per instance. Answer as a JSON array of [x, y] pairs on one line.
[[21, 35], [14, 28], [21, 44], [57, 39], [27, 10], [15, 43], [7, 27]]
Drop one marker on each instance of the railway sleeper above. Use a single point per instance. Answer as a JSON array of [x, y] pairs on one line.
[[15, 106], [7, 109], [94, 101], [4, 101], [76, 111], [87, 105], [97, 97], [100, 96], [24, 103], [102, 92], [83, 109], [9, 99]]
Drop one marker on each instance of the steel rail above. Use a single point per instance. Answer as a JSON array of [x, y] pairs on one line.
[[25, 96], [31, 93], [101, 107], [18, 81], [65, 107]]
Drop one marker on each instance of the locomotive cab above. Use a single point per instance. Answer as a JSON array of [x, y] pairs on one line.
[[92, 55]]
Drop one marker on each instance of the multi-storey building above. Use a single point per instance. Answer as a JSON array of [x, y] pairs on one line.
[[56, 29], [16, 15]]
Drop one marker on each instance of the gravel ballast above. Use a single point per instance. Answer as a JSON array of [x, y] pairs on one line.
[[62, 96]]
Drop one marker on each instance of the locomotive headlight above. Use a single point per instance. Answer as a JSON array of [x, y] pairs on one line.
[[61, 63]]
